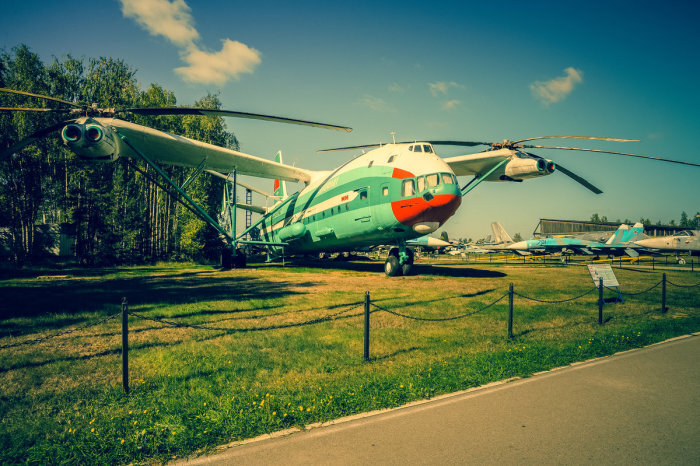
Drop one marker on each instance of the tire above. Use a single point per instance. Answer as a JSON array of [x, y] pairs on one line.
[[407, 266], [239, 261], [226, 258], [391, 266]]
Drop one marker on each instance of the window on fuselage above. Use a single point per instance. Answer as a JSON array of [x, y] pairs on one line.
[[408, 188], [433, 180], [417, 148], [370, 163], [427, 149], [385, 191], [391, 159], [447, 178], [421, 184], [363, 194]]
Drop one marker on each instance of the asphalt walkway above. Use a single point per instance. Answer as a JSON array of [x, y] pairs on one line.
[[637, 407]]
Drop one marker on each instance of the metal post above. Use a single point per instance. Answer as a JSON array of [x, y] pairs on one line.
[[125, 345], [366, 325], [233, 213], [510, 311], [663, 293], [600, 301]]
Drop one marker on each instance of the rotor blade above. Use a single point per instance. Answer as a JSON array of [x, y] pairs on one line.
[[45, 97], [366, 146], [459, 143], [572, 175], [616, 153], [32, 138], [594, 138], [436, 143], [23, 109], [230, 113]]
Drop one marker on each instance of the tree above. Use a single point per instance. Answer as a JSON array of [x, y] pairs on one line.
[[517, 237], [119, 214]]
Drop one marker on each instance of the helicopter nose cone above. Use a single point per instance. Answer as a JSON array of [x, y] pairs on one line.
[[426, 214]]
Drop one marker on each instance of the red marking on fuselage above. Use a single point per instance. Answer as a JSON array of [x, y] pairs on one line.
[[399, 173], [416, 210]]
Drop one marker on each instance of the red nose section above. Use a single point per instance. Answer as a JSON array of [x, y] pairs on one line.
[[417, 210]]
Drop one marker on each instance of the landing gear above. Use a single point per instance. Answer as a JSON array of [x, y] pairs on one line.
[[391, 266], [399, 262], [229, 260]]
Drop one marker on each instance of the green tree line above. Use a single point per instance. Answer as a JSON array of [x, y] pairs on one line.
[[684, 222], [118, 214]]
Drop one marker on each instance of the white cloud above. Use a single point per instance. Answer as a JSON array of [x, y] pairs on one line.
[[375, 103], [396, 87], [172, 20], [549, 92], [450, 104], [233, 59], [442, 87]]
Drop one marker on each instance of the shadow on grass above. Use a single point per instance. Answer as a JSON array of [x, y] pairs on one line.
[[103, 297], [378, 267]]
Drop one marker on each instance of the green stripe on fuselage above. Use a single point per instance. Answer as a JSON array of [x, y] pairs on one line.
[[357, 223]]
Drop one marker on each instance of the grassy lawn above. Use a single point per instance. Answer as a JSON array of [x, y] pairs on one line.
[[61, 398]]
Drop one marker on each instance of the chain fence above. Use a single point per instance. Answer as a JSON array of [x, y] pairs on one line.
[[65, 332], [555, 301], [682, 286], [251, 329], [444, 319]]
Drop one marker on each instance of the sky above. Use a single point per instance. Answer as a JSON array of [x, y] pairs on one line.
[[461, 70]]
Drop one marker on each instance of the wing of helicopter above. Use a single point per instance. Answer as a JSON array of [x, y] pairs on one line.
[[177, 150]]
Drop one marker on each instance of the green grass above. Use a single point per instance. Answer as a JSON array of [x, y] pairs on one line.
[[62, 400]]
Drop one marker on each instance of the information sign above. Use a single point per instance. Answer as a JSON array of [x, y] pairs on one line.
[[605, 272]]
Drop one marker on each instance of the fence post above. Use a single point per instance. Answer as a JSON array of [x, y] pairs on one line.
[[600, 301], [652, 263], [125, 345], [366, 325], [510, 311], [663, 293]]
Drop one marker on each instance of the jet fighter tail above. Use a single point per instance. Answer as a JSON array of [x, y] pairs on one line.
[[500, 234]]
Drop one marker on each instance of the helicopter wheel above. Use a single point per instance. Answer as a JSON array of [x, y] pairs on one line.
[[392, 267]]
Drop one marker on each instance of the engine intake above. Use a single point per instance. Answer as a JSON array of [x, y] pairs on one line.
[[519, 169], [91, 141]]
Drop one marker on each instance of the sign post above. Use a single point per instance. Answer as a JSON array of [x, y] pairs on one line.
[[603, 275]]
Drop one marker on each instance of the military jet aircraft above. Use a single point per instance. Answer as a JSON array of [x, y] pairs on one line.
[[620, 243], [685, 241]]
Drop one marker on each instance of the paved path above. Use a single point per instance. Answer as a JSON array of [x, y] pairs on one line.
[[642, 406]]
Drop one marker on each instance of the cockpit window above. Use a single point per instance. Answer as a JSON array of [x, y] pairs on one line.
[[447, 178], [408, 188], [433, 180], [417, 148], [427, 149], [391, 158]]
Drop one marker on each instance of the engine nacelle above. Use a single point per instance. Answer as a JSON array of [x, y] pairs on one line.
[[91, 141], [523, 168]]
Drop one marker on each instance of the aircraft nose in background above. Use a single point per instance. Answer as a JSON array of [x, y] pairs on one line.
[[520, 245]]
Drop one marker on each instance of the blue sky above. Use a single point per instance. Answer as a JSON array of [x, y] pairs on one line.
[[451, 70]]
